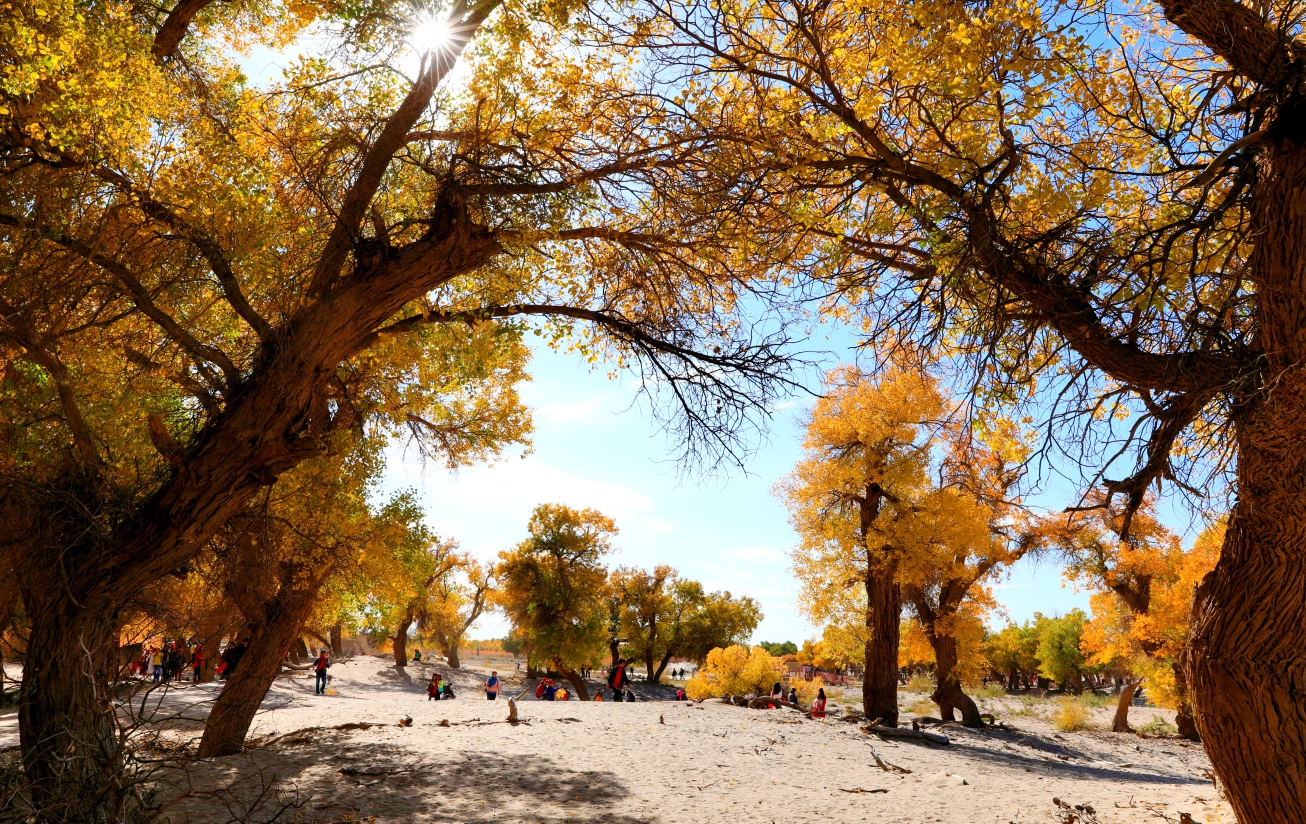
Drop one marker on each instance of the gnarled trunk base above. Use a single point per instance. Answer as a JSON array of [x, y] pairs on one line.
[[1120, 723]]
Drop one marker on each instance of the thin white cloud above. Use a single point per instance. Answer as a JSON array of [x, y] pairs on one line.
[[755, 554]]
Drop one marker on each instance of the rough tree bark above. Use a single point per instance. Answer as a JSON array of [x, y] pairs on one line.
[[337, 641], [949, 694], [883, 622], [67, 731], [883, 619], [270, 641]]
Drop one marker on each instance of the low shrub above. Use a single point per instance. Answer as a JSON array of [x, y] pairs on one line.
[[990, 691], [1093, 699], [1070, 715], [923, 706], [1158, 726], [920, 683]]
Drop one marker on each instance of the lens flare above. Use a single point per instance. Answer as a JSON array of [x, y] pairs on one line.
[[430, 34]]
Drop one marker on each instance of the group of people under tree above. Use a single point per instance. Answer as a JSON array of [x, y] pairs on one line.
[[1036, 196]]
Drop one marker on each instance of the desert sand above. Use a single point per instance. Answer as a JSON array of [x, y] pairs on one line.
[[654, 761]]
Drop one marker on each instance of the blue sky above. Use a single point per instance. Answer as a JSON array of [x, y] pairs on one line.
[[596, 445]]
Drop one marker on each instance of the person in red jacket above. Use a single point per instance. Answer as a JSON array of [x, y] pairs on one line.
[[617, 679], [320, 669]]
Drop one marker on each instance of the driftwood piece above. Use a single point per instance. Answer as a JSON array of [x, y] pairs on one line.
[[860, 790], [512, 711], [766, 702], [899, 732]]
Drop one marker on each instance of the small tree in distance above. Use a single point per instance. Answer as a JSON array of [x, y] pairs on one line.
[[554, 587]]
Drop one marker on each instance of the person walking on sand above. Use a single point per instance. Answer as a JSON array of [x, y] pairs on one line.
[[197, 663], [492, 686], [320, 670], [818, 706], [156, 664], [617, 679]]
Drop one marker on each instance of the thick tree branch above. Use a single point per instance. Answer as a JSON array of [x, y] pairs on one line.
[[201, 352], [1243, 38], [175, 27], [36, 347], [202, 241], [463, 24]]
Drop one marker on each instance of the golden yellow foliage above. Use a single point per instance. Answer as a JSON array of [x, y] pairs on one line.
[[735, 670]]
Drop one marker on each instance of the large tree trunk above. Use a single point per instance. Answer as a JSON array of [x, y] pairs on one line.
[[67, 727], [949, 694], [337, 642], [1247, 650], [451, 653], [1121, 721], [401, 642], [299, 651], [662, 667], [233, 712], [883, 620]]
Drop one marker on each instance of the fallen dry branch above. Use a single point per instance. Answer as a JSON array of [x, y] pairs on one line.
[[899, 732], [766, 702], [860, 790], [885, 765]]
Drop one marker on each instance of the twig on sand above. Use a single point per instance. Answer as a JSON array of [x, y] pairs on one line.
[[885, 765], [860, 790]]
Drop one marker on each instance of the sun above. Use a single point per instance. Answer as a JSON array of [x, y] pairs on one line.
[[429, 34]]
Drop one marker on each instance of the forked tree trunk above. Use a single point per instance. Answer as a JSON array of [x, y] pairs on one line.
[[451, 654], [949, 694], [299, 651], [1121, 721], [337, 642], [67, 729], [883, 621], [1247, 649], [233, 712]]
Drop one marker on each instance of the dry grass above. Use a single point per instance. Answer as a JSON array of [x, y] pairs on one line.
[[920, 683], [923, 706]]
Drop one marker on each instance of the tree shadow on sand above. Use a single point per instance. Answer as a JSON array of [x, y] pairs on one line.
[[396, 784]]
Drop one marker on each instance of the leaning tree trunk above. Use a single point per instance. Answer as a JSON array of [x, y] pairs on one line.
[[576, 682], [883, 621], [233, 712], [298, 651], [337, 642], [1121, 721], [1246, 657], [949, 694], [67, 727]]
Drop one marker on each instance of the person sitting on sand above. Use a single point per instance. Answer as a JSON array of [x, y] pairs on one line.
[[562, 695], [433, 688], [793, 696], [550, 690], [818, 706], [417, 655], [680, 694], [446, 690], [778, 692]]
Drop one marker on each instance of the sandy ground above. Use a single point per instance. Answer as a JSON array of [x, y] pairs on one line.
[[655, 761]]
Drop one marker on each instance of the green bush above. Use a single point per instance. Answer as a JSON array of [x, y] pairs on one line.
[[1158, 726]]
